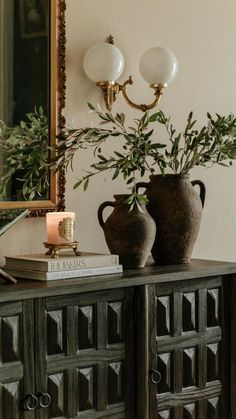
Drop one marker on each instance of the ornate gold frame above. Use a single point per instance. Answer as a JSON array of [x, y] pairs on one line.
[[57, 120]]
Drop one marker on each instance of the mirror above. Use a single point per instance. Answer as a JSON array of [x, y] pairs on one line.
[[32, 98]]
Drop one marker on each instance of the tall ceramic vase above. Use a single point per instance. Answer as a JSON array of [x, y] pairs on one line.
[[176, 207], [130, 234]]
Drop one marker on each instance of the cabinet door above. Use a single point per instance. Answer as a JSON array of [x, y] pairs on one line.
[[84, 355], [188, 351], [16, 359]]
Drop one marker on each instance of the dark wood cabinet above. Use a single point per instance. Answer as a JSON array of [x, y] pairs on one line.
[[75, 351], [187, 350], [147, 344], [83, 345], [17, 375]]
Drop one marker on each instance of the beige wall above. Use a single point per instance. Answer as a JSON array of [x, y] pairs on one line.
[[202, 35]]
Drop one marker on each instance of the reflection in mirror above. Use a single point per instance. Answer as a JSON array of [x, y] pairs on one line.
[[8, 218], [29, 66]]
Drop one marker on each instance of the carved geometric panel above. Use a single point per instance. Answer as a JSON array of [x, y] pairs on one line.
[[164, 367], [10, 400], [55, 332], [212, 362], [10, 338], [163, 305], [115, 382], [57, 391], [189, 411], [213, 307], [115, 322], [165, 414], [86, 387], [187, 351], [189, 311], [86, 329], [213, 408], [189, 367]]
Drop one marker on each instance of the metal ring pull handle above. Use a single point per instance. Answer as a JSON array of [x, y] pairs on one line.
[[44, 400], [30, 402], [155, 376]]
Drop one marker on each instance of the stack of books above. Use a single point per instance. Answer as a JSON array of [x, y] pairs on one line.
[[44, 268]]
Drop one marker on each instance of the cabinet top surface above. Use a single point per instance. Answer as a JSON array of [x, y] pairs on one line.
[[133, 277]]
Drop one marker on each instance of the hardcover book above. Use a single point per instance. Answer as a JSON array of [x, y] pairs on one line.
[[76, 273], [65, 262]]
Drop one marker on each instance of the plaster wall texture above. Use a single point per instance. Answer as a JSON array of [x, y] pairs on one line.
[[202, 36]]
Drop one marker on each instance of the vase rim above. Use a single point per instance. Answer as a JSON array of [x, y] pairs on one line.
[[171, 175], [121, 195]]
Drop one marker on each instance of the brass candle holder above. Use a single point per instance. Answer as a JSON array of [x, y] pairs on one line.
[[55, 248], [60, 232]]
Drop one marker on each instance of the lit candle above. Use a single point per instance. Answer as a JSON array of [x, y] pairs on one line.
[[60, 227]]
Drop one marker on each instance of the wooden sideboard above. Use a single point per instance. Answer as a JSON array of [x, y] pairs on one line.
[[156, 343]]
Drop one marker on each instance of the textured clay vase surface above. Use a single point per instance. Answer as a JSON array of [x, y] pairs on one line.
[[176, 207], [130, 234]]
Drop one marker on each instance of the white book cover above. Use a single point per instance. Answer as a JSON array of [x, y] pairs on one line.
[[50, 276], [65, 262]]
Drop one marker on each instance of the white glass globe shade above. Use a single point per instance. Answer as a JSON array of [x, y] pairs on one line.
[[158, 66], [103, 62]]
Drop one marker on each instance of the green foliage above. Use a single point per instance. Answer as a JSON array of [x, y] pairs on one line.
[[25, 153], [213, 143]]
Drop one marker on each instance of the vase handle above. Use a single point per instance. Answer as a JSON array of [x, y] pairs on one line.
[[202, 189], [142, 185], [100, 211]]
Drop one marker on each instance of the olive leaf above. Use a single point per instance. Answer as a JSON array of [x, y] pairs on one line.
[[143, 152]]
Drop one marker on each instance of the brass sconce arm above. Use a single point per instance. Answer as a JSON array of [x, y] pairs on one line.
[[111, 89], [158, 92]]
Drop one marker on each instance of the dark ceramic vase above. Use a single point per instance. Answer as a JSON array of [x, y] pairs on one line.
[[176, 207], [130, 234]]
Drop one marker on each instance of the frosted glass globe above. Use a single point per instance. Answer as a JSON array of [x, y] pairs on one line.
[[103, 62], [158, 66]]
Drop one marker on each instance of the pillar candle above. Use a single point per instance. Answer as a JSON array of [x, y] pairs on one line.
[[60, 227]]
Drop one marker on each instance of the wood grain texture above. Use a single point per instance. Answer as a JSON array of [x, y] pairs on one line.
[[17, 373], [93, 349], [151, 274], [189, 360], [83, 361]]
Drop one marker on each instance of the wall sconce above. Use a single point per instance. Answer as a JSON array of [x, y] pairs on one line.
[[104, 63]]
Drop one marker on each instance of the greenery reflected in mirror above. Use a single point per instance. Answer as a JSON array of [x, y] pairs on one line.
[[25, 152], [31, 75]]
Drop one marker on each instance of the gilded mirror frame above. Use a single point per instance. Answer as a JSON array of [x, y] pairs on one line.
[[56, 201]]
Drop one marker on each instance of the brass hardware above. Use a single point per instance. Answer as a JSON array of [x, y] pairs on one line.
[[155, 376], [158, 92], [55, 248], [110, 40], [111, 89], [66, 228], [30, 402], [44, 400]]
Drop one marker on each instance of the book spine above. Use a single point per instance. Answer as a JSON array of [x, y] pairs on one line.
[[50, 276], [84, 272], [54, 265]]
